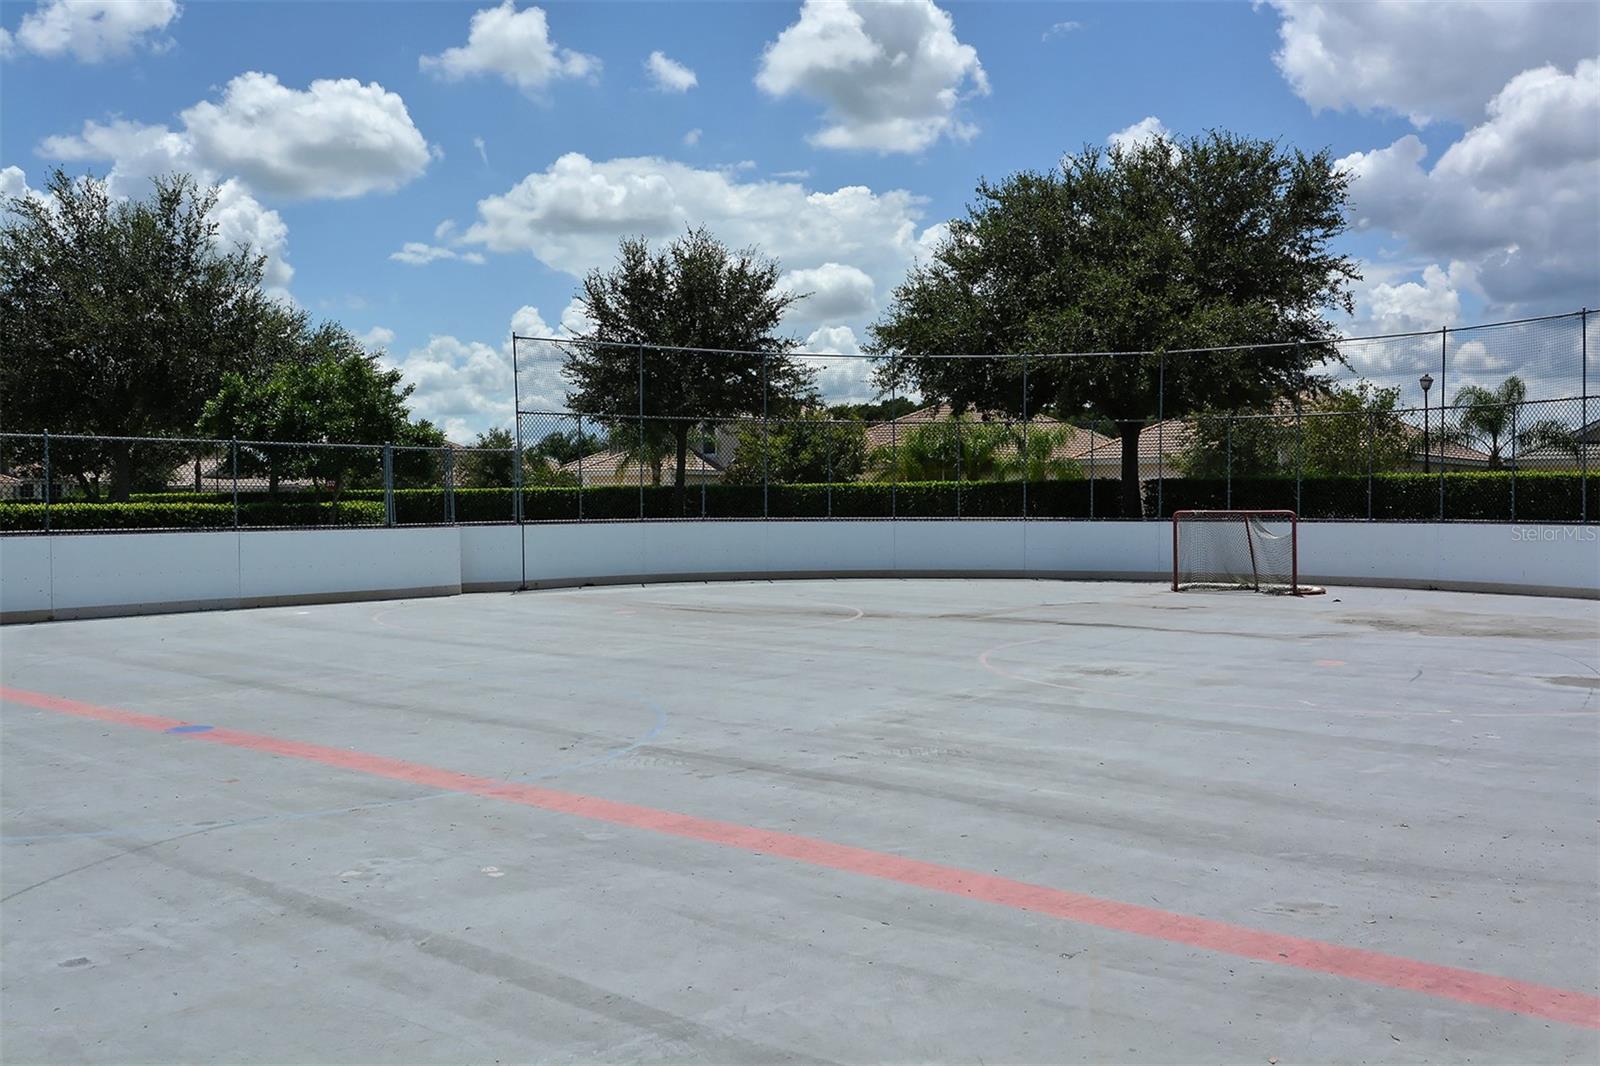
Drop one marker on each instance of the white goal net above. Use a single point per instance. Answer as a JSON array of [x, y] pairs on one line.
[[1254, 550]]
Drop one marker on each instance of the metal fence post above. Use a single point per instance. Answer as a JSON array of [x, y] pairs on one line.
[[233, 455], [641, 437], [516, 457], [1299, 453], [1093, 469], [1512, 444], [766, 442], [49, 485], [894, 444], [1372, 431], [449, 455], [1228, 474], [388, 484], [960, 451], [1025, 456], [1161, 436], [581, 458], [829, 461], [1583, 428], [1444, 363]]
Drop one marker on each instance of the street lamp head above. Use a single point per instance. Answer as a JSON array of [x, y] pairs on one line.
[[1426, 382]]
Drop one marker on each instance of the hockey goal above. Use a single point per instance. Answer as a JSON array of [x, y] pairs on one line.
[[1254, 550]]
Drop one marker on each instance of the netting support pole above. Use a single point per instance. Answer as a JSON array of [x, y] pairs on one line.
[[233, 457], [49, 484], [1444, 362], [1583, 430], [766, 443]]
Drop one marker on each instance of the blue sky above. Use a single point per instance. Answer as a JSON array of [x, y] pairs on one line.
[[432, 174]]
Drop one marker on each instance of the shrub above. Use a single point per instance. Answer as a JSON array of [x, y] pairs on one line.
[[23, 517], [1483, 496]]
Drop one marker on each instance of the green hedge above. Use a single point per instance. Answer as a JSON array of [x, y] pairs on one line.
[[24, 517], [924, 499], [1533, 496], [1474, 496]]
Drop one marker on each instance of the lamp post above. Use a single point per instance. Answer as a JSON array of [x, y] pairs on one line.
[[1427, 383]]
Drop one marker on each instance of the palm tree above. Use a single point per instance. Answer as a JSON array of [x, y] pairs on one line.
[[651, 449], [971, 450], [1033, 455], [1489, 421]]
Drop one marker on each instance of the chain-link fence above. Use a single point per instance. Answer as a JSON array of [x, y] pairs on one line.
[[1490, 423]]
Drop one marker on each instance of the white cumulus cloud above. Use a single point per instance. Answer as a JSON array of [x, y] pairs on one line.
[[512, 45], [1430, 301], [832, 291], [1146, 129], [1513, 199], [669, 75], [842, 379], [571, 215], [377, 337], [465, 386], [334, 139], [418, 253], [337, 138], [891, 75], [1427, 61], [92, 30], [242, 220]]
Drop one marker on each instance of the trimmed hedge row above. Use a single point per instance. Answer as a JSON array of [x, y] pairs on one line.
[[928, 499], [1470, 496], [29, 517], [1483, 496]]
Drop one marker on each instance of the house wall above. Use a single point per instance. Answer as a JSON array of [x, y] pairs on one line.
[[78, 575]]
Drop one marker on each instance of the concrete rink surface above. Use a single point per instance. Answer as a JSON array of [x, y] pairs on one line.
[[843, 821]]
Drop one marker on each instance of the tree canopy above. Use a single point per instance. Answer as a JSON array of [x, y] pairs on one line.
[[1169, 244], [121, 317], [335, 395], [694, 294], [1343, 431]]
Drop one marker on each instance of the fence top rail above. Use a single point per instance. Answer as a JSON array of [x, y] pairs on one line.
[[892, 357]]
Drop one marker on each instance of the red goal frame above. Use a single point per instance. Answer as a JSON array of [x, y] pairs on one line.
[[1245, 514]]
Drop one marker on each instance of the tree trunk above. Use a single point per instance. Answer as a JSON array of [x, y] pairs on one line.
[[1132, 488], [680, 433], [121, 471]]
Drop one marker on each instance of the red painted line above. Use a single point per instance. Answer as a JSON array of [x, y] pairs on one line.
[[1392, 971]]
